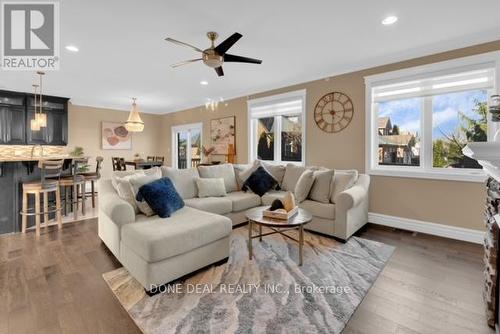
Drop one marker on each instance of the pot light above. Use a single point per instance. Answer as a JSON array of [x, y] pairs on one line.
[[72, 48], [389, 20], [203, 82]]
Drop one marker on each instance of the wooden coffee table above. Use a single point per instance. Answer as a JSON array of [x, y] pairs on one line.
[[296, 222]]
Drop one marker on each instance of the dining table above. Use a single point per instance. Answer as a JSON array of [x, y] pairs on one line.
[[143, 164]]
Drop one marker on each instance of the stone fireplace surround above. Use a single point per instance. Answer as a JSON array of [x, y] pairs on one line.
[[488, 155]]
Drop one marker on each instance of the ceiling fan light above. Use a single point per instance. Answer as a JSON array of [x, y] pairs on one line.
[[134, 122]]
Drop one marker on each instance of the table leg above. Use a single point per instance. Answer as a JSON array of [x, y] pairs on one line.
[[301, 243], [260, 232], [250, 239]]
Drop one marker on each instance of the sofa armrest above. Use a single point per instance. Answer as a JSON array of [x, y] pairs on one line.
[[355, 195], [351, 208], [117, 209]]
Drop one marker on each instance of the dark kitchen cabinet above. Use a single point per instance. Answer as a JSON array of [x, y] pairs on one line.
[[12, 119], [57, 127], [12, 129], [18, 109]]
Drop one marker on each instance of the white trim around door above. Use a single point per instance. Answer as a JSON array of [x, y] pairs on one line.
[[187, 128]]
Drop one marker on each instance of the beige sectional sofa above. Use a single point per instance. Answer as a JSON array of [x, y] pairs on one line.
[[159, 250]]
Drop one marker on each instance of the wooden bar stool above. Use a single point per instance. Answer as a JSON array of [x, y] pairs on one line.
[[49, 183], [74, 188], [93, 177]]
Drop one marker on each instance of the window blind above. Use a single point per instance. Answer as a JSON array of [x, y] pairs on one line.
[[435, 85], [291, 106]]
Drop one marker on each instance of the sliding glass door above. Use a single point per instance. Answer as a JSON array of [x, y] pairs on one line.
[[186, 145]]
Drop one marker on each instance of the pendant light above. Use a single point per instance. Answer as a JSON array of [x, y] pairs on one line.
[[34, 125], [42, 117], [134, 122], [40, 120]]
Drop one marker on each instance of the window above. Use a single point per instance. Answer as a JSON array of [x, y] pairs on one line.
[[277, 128], [186, 145], [420, 119]]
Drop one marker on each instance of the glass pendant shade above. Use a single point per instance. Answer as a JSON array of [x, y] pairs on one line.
[[34, 126], [134, 122], [42, 120]]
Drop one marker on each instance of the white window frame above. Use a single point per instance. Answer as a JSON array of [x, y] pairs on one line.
[[184, 127], [252, 125], [425, 170]]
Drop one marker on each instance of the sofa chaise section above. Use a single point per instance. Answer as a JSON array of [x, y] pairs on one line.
[[157, 250]]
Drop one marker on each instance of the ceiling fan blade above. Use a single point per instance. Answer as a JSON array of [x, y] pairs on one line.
[[219, 71], [171, 40], [240, 59], [228, 43], [185, 62]]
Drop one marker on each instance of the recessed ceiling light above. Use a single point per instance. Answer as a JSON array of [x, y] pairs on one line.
[[389, 20], [204, 82], [72, 48]]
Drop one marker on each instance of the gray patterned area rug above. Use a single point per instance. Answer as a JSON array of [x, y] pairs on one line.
[[269, 294]]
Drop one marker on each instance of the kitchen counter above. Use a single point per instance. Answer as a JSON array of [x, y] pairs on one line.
[[32, 158]]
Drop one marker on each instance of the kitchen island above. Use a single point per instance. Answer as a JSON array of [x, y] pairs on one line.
[[14, 170]]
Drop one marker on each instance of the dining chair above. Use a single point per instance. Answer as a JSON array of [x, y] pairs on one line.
[[118, 164], [150, 158]]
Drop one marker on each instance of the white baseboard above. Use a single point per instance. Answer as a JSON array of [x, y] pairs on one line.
[[452, 232]]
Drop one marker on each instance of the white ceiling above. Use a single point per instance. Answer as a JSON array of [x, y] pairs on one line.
[[123, 54]]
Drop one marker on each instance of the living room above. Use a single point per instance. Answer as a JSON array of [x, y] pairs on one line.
[[300, 169]]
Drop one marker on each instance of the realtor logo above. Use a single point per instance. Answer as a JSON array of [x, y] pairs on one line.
[[30, 36]]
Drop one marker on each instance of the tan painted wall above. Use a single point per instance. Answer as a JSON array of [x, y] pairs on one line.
[[85, 130], [444, 202]]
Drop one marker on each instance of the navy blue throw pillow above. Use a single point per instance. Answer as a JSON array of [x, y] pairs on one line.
[[260, 182], [161, 196]]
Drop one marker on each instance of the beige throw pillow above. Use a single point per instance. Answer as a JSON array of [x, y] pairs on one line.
[[322, 186], [277, 171], [121, 182], [243, 172], [213, 187], [343, 180], [303, 186], [291, 177], [184, 180], [124, 190], [224, 171], [137, 183]]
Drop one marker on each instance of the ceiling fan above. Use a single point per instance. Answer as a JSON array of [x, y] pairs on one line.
[[215, 56]]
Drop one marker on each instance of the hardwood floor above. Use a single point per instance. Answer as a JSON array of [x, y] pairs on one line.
[[54, 285]]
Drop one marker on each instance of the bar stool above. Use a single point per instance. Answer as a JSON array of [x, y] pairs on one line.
[[75, 183], [49, 183], [92, 177]]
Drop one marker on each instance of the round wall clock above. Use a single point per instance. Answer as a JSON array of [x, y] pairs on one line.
[[333, 112]]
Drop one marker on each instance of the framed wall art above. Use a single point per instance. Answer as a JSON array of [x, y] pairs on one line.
[[223, 134]]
